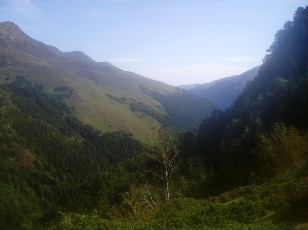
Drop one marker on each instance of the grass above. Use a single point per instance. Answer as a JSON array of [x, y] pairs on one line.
[[89, 100], [92, 82], [93, 106]]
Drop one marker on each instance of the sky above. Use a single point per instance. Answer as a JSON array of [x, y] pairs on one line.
[[178, 42]]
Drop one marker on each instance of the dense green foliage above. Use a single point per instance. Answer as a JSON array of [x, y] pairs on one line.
[[279, 94], [250, 207], [46, 152], [244, 168]]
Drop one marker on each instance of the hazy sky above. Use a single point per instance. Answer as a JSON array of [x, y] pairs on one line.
[[174, 41]]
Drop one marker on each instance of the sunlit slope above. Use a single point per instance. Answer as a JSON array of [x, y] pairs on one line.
[[92, 101], [101, 94]]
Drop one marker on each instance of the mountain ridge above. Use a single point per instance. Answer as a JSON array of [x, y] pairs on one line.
[[102, 93]]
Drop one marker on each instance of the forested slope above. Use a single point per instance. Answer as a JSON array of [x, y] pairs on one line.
[[245, 168], [278, 94], [46, 152]]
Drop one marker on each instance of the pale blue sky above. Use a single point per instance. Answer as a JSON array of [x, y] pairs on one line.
[[174, 41]]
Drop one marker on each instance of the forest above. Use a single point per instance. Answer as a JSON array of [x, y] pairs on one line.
[[242, 168]]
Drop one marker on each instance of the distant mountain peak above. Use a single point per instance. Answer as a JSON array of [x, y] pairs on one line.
[[9, 24], [10, 32], [12, 37]]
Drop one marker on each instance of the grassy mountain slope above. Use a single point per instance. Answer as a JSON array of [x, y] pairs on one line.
[[102, 93]]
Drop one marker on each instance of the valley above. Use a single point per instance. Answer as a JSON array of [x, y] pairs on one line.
[[87, 145]]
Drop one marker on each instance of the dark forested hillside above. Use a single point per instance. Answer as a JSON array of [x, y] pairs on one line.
[[278, 95], [46, 152]]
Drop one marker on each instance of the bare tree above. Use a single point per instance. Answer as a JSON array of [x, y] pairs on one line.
[[164, 160]]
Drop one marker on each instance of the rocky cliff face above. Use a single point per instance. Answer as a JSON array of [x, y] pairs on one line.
[[13, 38], [11, 33]]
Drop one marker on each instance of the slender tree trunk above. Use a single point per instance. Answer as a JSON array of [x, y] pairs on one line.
[[167, 191], [166, 155]]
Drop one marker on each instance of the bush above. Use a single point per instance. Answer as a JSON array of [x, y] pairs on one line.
[[279, 150]]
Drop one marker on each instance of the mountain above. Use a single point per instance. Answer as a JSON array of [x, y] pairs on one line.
[[223, 92], [101, 94]]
